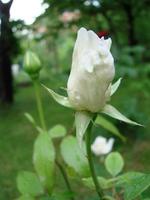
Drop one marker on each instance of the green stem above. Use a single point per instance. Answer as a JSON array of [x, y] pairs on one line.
[[64, 174], [91, 164], [39, 103], [43, 124]]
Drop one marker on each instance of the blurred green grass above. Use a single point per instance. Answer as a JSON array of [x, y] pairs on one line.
[[17, 134]]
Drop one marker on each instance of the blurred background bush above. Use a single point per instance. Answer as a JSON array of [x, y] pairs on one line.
[[52, 35]]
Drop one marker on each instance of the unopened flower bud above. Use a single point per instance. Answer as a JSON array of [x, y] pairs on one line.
[[32, 64], [92, 72]]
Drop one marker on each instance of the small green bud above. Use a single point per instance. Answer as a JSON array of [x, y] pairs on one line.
[[32, 64]]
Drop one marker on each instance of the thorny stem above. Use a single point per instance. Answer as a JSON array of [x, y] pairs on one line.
[[90, 160]]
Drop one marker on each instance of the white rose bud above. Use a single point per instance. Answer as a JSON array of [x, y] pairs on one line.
[[102, 146], [92, 72]]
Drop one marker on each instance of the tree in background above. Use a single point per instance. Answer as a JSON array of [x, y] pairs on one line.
[[8, 49], [122, 18]]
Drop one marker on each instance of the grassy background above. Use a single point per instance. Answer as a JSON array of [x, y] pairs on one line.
[[17, 134]]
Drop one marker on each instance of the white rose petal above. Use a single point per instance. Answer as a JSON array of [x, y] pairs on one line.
[[92, 72]]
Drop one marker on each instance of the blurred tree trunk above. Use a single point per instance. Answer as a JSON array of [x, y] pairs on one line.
[[6, 80]]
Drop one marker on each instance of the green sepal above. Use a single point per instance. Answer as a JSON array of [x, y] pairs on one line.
[[114, 113], [64, 101], [82, 120], [115, 86], [109, 126]]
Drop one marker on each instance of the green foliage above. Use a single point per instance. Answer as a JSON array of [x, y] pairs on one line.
[[134, 183], [45, 198], [43, 159], [26, 197], [29, 184], [62, 196], [146, 199], [108, 198], [57, 131], [103, 122], [114, 163], [127, 177], [131, 183], [103, 182], [74, 157]]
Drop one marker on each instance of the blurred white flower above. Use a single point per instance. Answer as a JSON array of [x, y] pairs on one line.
[[15, 69], [102, 146], [92, 72]]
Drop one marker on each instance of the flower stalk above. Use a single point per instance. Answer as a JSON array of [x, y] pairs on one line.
[[43, 124], [39, 104], [64, 174], [90, 160]]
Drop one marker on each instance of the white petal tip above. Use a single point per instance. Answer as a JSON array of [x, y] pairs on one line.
[[82, 29]]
